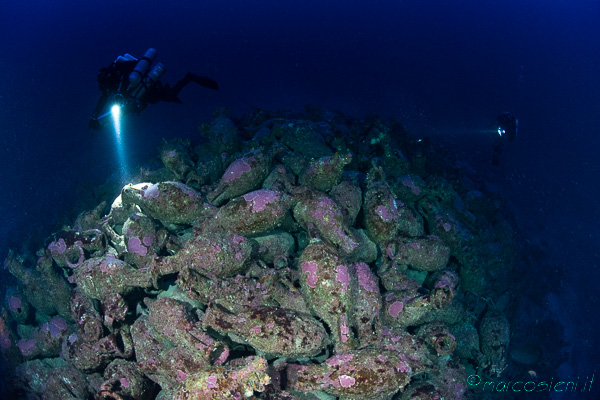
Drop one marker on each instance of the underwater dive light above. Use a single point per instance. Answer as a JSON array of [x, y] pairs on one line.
[[115, 111]]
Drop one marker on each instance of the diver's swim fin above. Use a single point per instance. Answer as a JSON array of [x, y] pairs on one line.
[[200, 80], [205, 82]]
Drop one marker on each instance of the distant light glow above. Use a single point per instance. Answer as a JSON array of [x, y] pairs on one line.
[[501, 131], [123, 168]]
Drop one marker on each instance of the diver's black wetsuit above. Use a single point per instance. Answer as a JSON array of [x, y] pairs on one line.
[[114, 81], [111, 80]]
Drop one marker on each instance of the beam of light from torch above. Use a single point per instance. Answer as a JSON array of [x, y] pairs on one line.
[[123, 168]]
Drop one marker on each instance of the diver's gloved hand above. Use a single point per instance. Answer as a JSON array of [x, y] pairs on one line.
[[94, 124]]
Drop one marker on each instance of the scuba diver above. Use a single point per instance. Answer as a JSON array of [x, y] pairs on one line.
[[132, 84], [507, 126]]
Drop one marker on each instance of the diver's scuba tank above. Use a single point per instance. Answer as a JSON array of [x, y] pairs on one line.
[[141, 68], [149, 80]]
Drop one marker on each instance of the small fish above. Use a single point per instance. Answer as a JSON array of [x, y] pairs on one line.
[[532, 373]]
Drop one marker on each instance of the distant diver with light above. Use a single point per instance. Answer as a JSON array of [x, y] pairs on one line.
[[131, 84], [506, 128]]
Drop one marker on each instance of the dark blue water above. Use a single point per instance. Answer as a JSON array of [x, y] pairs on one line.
[[444, 69]]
